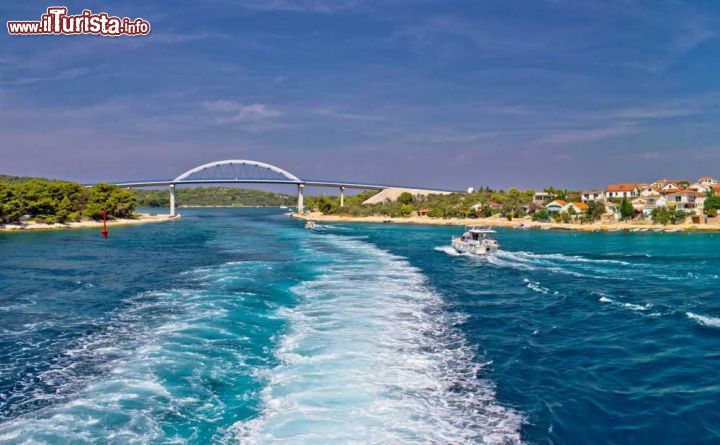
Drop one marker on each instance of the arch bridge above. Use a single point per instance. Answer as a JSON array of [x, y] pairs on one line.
[[244, 171]]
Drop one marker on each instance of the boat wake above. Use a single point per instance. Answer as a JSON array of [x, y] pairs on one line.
[[450, 251], [378, 361]]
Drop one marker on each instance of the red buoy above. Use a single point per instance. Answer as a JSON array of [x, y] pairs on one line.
[[104, 232]]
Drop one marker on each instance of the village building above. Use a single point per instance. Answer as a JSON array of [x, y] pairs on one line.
[[556, 206], [577, 207], [670, 187], [687, 200], [648, 201], [612, 212], [541, 197], [707, 181], [592, 195], [699, 187], [620, 191]]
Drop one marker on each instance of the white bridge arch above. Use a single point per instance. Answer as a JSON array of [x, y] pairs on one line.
[[237, 169]]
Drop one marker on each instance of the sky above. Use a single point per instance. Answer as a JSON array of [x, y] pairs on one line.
[[445, 94]]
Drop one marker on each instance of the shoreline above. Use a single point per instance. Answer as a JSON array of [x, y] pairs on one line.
[[140, 218], [502, 222]]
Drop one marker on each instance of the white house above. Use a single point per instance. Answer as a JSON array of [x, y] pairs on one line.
[[670, 187], [707, 181], [541, 197], [620, 191], [687, 201], [612, 212], [556, 206], [700, 187], [648, 201], [592, 195]]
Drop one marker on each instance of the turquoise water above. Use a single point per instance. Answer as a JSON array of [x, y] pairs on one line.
[[240, 326]]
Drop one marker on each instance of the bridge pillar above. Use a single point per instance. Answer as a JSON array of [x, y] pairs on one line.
[[172, 199], [300, 205], [342, 196]]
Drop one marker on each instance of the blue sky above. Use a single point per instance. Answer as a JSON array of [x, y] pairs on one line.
[[434, 93]]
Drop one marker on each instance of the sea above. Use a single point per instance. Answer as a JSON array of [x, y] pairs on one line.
[[240, 326]]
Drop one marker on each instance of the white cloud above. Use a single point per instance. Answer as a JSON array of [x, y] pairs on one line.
[[235, 112], [588, 134]]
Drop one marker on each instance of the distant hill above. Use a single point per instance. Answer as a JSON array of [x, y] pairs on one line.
[[214, 196], [10, 178]]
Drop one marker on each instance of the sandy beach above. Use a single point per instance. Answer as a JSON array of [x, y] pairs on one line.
[[502, 222], [140, 218]]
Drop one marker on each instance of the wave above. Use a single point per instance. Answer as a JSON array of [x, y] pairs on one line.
[[376, 362], [631, 306], [535, 285], [704, 320], [531, 256]]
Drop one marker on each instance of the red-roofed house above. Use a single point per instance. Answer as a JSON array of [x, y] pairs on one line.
[[578, 207], [620, 191], [556, 206]]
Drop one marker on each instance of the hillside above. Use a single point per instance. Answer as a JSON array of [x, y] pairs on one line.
[[213, 196]]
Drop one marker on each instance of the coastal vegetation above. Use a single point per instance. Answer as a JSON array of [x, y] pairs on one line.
[[50, 201], [213, 197], [484, 202]]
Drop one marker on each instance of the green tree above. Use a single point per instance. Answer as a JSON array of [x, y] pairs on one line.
[[541, 215], [405, 198], [64, 210], [406, 210], [595, 210], [626, 209], [118, 202], [712, 205]]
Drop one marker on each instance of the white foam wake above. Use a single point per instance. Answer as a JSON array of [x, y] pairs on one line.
[[371, 357], [704, 320], [449, 250], [631, 306]]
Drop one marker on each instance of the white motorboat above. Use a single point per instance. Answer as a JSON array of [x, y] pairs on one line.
[[310, 225], [476, 241]]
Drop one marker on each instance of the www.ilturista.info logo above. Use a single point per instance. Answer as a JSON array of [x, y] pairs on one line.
[[56, 22]]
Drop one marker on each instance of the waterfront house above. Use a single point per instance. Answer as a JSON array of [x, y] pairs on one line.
[[422, 212], [578, 207], [494, 205], [556, 206], [707, 181], [687, 201], [592, 195], [541, 197], [612, 212], [620, 191], [648, 201]]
